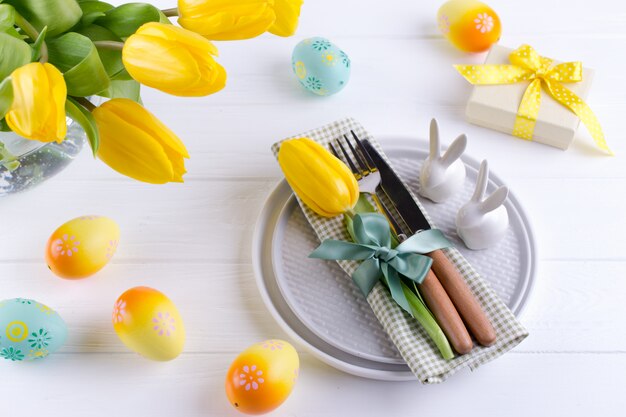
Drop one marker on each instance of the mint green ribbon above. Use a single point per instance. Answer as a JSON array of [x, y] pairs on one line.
[[382, 262]]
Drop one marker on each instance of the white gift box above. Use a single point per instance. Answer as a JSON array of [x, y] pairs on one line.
[[495, 106]]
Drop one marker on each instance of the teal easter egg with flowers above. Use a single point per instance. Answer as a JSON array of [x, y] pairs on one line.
[[321, 67], [29, 330]]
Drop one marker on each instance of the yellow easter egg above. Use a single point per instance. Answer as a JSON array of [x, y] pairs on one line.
[[261, 378], [149, 323], [82, 246], [471, 26]]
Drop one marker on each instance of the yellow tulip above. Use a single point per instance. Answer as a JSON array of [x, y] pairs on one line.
[[38, 108], [323, 182], [135, 143], [173, 60], [227, 19], [287, 14]]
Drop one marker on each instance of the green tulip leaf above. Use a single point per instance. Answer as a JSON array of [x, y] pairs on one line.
[[6, 96], [85, 119], [7, 17], [123, 89], [77, 58], [36, 47], [57, 15], [93, 10], [111, 59], [122, 76], [7, 21], [14, 52], [4, 127], [127, 18], [164, 19]]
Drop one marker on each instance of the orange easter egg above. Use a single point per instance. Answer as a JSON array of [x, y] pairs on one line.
[[82, 246], [261, 378], [149, 323], [470, 25]]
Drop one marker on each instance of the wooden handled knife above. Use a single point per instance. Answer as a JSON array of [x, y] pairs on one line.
[[452, 281]]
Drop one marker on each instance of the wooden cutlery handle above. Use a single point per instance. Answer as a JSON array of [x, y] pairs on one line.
[[446, 315], [463, 299]]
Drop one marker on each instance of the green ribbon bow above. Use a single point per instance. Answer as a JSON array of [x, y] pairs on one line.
[[373, 246]]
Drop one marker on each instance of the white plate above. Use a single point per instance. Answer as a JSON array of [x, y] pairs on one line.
[[319, 306]]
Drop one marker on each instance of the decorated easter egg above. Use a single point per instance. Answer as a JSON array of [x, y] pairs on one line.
[[262, 376], [82, 246], [148, 322], [321, 67], [29, 330], [470, 25]]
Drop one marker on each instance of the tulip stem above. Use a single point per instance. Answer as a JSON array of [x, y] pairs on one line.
[[85, 103], [114, 45], [32, 33], [170, 12]]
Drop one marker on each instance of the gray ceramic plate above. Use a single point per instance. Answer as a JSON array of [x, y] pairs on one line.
[[319, 306]]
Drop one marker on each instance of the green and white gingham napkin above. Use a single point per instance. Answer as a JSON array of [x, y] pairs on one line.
[[419, 352]]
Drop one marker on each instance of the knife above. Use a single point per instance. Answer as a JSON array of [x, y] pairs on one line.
[[450, 278]]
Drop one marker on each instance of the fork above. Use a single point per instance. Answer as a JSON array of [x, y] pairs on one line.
[[365, 172], [433, 293]]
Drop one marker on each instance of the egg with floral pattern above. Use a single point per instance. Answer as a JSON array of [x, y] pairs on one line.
[[320, 66], [149, 323], [470, 25], [261, 378], [29, 330], [82, 246]]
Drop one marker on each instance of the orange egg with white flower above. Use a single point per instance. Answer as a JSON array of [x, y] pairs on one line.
[[82, 246], [470, 25], [149, 323], [261, 378]]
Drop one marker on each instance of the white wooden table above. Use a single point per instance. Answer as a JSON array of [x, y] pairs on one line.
[[192, 241]]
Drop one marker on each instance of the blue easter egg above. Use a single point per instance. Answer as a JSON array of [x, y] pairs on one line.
[[321, 67], [29, 330]]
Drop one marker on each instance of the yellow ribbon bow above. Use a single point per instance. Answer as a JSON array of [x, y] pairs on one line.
[[528, 65]]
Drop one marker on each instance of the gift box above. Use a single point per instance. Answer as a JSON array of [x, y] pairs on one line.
[[496, 99]]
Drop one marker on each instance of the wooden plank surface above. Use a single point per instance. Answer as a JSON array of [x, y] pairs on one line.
[[193, 241]]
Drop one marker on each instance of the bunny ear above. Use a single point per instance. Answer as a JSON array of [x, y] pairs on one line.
[[455, 151], [495, 200], [481, 182], [434, 139]]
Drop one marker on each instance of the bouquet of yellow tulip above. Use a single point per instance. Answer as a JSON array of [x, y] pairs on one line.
[[56, 54]]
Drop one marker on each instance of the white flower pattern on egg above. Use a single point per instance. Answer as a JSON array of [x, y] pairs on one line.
[[164, 324], [272, 344], [111, 248], [484, 22], [444, 24], [67, 245], [251, 378], [119, 311]]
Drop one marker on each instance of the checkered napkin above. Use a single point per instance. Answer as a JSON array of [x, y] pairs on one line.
[[419, 352]]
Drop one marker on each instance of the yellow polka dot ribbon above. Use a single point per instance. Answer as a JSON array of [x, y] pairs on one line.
[[528, 65]]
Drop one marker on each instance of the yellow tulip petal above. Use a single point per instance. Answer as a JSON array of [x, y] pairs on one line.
[[322, 181], [172, 68], [227, 19], [58, 96], [211, 82], [287, 14], [129, 150], [38, 108], [183, 36], [178, 165], [137, 115], [174, 60]]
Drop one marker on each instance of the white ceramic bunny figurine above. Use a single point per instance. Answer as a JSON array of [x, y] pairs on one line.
[[442, 176], [481, 223]]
